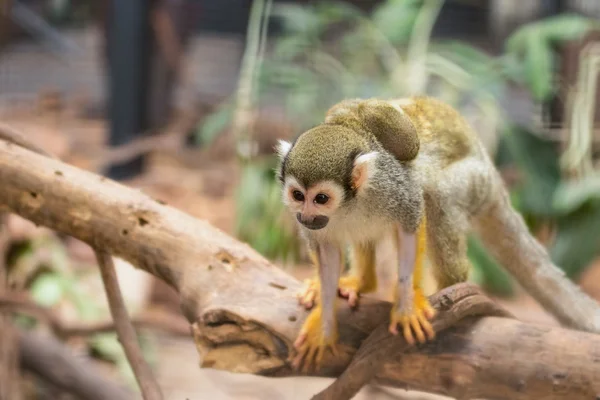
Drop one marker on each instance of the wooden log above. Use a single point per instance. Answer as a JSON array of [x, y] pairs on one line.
[[244, 312]]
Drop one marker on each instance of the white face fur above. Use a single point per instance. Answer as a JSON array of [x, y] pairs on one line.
[[323, 199]]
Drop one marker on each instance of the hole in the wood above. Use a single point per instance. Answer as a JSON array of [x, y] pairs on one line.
[[33, 194], [58, 173], [125, 232], [225, 257], [277, 286], [292, 318], [210, 267], [142, 221]]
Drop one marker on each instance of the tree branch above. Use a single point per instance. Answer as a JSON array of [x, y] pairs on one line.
[[52, 361], [461, 302], [244, 312]]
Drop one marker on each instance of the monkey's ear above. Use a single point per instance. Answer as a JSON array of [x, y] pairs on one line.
[[282, 148], [392, 128], [363, 169]]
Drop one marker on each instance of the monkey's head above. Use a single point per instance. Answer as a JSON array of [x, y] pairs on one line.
[[330, 166]]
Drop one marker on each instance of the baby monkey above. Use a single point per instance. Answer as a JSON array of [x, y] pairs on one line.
[[413, 169]]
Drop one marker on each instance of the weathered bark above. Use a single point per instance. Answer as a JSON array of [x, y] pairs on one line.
[[244, 310]]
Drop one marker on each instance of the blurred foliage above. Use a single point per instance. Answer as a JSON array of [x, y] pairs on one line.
[[261, 218], [330, 51], [41, 265], [533, 45]]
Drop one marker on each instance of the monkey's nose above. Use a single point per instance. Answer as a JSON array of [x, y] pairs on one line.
[[313, 222]]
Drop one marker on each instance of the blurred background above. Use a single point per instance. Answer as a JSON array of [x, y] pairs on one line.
[[185, 99]]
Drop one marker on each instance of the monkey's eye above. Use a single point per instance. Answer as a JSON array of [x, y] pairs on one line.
[[321, 198], [297, 195]]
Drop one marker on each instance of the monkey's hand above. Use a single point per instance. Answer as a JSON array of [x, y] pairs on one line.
[[314, 339], [349, 287], [413, 312]]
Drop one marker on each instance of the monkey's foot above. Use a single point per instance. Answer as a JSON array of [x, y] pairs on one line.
[[415, 318], [312, 342], [307, 296], [349, 287]]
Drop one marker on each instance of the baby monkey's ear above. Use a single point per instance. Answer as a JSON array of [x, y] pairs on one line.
[[282, 148], [392, 128], [363, 169]]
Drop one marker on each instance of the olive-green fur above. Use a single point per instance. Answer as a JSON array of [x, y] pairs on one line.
[[381, 121], [325, 152], [443, 132]]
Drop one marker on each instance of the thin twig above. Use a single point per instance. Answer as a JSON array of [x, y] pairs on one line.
[[125, 332]]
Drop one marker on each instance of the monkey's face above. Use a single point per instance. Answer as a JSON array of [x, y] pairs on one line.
[[315, 205]]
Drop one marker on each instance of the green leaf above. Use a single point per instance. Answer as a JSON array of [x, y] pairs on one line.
[[287, 48], [564, 27], [396, 19], [539, 65], [214, 124], [330, 13], [466, 56], [577, 240], [490, 274], [570, 196], [47, 290], [537, 159], [516, 43], [297, 18], [550, 30], [107, 346]]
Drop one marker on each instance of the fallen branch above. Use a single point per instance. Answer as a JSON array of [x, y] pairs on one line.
[[243, 309], [52, 361], [160, 320]]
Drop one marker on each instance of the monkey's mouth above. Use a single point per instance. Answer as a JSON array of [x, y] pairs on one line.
[[313, 223]]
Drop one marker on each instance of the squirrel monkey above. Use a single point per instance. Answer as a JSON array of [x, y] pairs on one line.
[[412, 168]]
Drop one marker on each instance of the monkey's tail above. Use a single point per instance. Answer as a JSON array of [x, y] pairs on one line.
[[506, 235]]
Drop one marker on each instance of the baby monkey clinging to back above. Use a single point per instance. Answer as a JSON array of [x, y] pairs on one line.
[[411, 168]]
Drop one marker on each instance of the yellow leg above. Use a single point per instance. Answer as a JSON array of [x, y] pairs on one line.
[[319, 331], [415, 315], [313, 341]]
